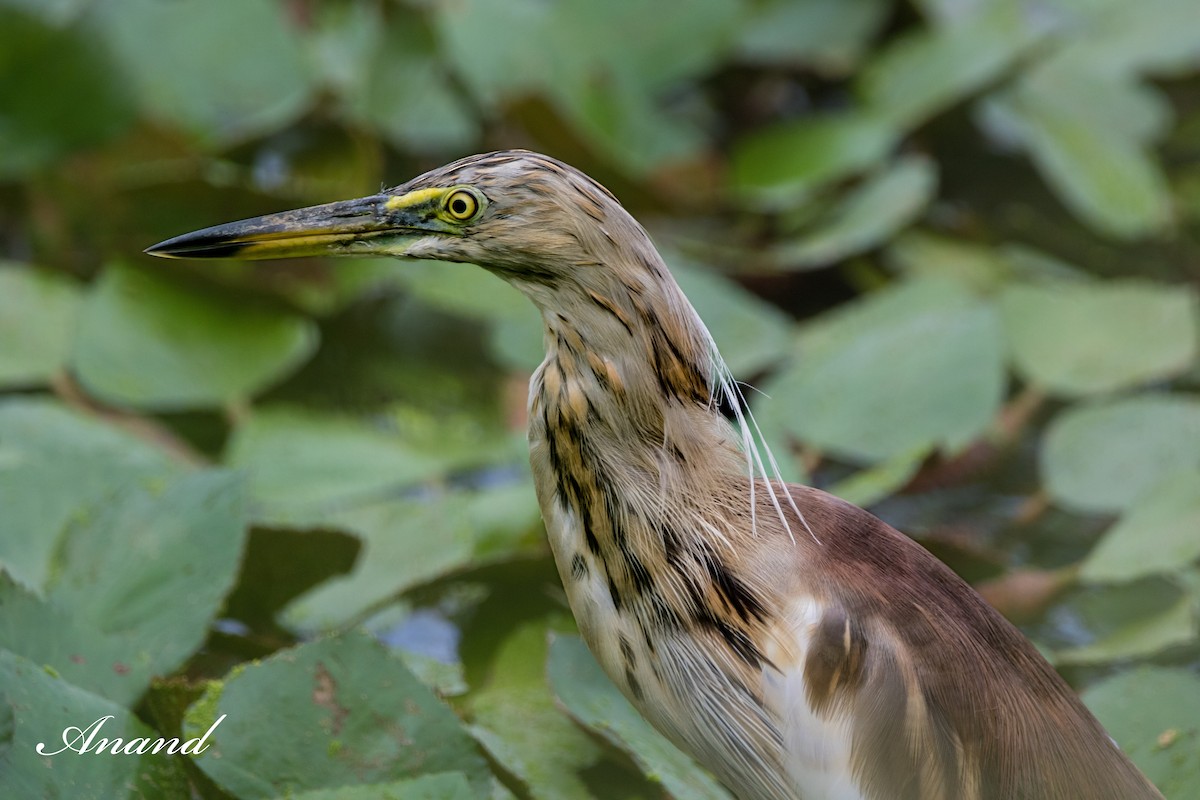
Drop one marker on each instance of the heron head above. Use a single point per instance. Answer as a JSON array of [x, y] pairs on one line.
[[522, 215]]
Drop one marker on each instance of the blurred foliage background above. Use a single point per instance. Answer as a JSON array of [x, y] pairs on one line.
[[956, 244]]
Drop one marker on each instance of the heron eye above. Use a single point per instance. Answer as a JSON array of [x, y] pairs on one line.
[[461, 205]]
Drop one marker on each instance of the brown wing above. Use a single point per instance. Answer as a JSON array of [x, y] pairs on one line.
[[947, 699]]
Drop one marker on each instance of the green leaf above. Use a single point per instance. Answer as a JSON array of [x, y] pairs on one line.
[[868, 486], [305, 466], [618, 111], [1103, 457], [134, 587], [868, 216], [259, 81], [490, 66], [518, 723], [405, 543], [591, 698], [57, 90], [925, 72], [1114, 186], [37, 322], [1155, 36], [57, 469], [925, 255], [302, 464], [500, 791], [469, 291], [917, 365], [145, 340], [321, 288], [1086, 338], [790, 161], [1145, 637], [949, 12], [443, 786], [1101, 610], [828, 34], [1158, 534], [750, 333], [672, 47], [583, 65], [1085, 133], [404, 92], [48, 633], [505, 520], [410, 542], [517, 343], [54, 12], [446, 679], [1152, 713], [1129, 110], [985, 269], [343, 41], [37, 709], [338, 712]]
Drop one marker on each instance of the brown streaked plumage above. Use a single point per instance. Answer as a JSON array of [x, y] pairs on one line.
[[793, 643]]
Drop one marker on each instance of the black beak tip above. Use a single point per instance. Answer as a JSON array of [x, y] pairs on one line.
[[175, 247], [161, 250], [195, 245]]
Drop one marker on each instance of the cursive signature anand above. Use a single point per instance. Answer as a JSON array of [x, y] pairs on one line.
[[83, 740]]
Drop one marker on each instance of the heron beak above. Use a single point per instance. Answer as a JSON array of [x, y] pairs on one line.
[[382, 224]]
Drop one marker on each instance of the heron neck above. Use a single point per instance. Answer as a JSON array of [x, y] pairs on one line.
[[642, 482], [627, 391]]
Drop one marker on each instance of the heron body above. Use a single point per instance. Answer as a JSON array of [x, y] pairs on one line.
[[794, 644]]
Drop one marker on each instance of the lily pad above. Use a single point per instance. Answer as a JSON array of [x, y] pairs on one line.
[[828, 34], [592, 699], [927, 71], [301, 464], [56, 12], [1155, 37], [223, 69], [469, 291], [1144, 637], [57, 87], [1090, 612], [750, 333], [914, 366], [1087, 338], [428, 649], [584, 67], [921, 254], [518, 723], [1091, 152], [1102, 457], [405, 93], [1157, 535], [119, 608], [868, 486], [331, 714], [148, 341], [57, 468], [413, 541], [1152, 714], [38, 711], [868, 216], [37, 322], [789, 161], [443, 786]]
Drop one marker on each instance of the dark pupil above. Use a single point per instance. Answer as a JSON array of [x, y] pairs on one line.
[[458, 206]]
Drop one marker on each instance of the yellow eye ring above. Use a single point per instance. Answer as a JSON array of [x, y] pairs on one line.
[[461, 205]]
